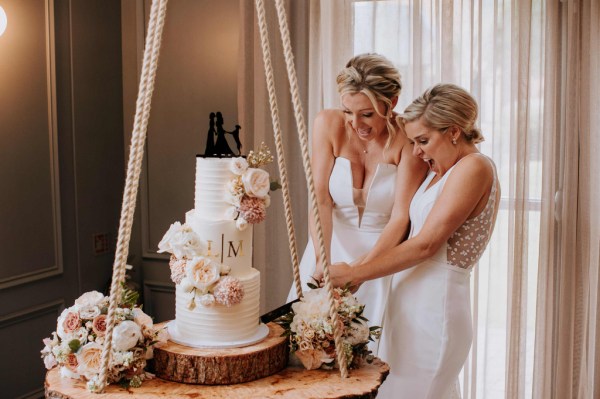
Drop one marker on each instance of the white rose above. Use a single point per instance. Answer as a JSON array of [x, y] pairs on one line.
[[89, 312], [203, 272], [92, 298], [142, 318], [89, 359], [241, 224], [256, 182], [207, 300], [239, 166], [126, 335], [181, 241], [358, 333]]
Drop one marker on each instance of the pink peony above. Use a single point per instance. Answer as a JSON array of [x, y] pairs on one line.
[[99, 325], [252, 209], [177, 269], [229, 291], [71, 322]]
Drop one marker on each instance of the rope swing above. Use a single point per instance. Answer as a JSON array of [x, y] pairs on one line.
[[303, 138], [136, 155]]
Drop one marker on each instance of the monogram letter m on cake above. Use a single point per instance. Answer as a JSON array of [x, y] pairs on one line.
[[217, 289]]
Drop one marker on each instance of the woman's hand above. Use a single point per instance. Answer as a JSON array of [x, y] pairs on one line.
[[339, 274]]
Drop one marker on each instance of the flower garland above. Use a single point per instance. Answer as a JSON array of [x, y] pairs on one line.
[[207, 280], [310, 329], [76, 345]]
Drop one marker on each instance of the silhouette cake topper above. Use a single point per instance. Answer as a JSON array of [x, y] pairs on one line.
[[220, 146]]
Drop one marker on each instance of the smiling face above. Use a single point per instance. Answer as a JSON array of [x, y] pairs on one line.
[[432, 146], [362, 117]]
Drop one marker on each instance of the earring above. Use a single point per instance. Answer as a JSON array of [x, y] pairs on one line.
[[454, 141]]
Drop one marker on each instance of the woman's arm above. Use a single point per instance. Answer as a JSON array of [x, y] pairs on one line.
[[465, 188], [326, 127], [410, 175]]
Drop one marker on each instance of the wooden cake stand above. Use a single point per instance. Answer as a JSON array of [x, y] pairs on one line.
[[200, 365]]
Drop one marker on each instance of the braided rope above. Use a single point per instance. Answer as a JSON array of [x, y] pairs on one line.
[[303, 137], [289, 220], [134, 167]]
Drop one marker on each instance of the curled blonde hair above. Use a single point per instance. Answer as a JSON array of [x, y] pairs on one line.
[[445, 105], [376, 77]]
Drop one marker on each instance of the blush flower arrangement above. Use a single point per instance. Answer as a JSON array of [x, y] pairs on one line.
[[249, 188], [310, 329], [77, 344], [206, 280]]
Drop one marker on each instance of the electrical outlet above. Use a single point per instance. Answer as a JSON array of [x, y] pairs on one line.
[[101, 243]]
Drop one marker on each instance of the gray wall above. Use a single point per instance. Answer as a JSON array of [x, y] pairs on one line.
[[61, 169]]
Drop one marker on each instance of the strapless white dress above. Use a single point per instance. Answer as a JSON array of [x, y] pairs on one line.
[[353, 235], [427, 328]]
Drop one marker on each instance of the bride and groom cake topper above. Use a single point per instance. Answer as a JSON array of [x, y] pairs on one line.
[[216, 141]]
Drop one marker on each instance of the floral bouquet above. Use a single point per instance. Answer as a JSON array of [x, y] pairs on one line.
[[310, 329], [249, 188], [76, 345], [206, 280]]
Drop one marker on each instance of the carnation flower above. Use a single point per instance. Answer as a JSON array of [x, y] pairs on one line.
[[177, 269], [252, 210], [229, 291]]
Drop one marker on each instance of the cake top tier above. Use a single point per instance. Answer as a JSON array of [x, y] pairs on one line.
[[211, 199]]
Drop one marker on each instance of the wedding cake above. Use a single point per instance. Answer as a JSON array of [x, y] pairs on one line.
[[217, 289]]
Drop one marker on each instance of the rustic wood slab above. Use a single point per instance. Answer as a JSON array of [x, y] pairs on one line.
[[292, 382], [223, 366]]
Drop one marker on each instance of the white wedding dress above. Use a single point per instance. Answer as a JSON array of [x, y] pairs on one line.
[[427, 329], [353, 234]]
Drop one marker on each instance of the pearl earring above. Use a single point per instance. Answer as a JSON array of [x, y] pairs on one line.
[[454, 141]]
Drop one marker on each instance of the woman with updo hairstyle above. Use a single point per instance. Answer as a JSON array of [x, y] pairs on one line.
[[364, 174], [427, 329]]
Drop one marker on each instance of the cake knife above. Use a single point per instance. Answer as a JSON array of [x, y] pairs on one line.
[[276, 313]]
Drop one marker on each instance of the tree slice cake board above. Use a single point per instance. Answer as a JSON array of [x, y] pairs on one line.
[[222, 366]]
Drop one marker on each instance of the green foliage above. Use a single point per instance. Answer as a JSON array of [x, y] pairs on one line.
[[74, 345], [275, 185], [129, 297]]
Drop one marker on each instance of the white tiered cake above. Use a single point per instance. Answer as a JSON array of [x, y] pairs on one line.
[[217, 290]]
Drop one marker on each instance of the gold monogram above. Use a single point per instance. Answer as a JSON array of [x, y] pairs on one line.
[[209, 249], [237, 252]]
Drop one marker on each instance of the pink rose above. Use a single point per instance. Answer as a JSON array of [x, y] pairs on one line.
[[71, 322], [99, 325], [71, 362]]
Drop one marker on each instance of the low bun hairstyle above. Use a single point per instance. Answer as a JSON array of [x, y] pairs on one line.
[[445, 105], [377, 78]]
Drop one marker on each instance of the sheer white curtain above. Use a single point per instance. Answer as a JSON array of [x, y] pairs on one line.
[[494, 49]]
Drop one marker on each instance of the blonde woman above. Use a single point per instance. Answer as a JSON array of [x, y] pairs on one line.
[[427, 328], [364, 175]]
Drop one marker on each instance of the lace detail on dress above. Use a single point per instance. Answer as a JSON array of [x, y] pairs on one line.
[[468, 242]]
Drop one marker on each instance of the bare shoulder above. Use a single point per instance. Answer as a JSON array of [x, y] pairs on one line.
[[473, 169], [329, 126]]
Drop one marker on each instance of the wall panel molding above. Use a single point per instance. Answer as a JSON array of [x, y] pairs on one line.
[[31, 312]]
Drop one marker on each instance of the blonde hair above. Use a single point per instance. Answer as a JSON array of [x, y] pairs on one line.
[[376, 77], [445, 105]]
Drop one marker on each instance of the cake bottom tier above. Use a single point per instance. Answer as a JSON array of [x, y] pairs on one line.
[[221, 366]]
